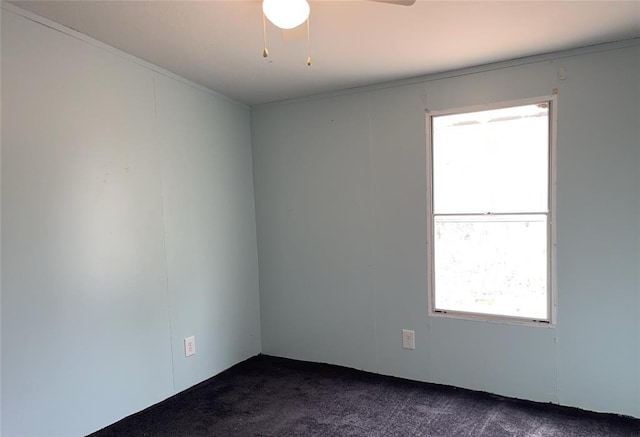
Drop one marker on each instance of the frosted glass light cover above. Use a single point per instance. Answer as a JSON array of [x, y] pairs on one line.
[[286, 14]]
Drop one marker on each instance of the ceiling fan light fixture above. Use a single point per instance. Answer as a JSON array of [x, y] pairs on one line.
[[286, 14]]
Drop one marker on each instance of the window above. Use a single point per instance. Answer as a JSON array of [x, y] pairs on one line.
[[490, 218]]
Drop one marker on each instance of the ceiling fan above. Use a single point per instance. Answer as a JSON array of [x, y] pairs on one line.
[[289, 14]]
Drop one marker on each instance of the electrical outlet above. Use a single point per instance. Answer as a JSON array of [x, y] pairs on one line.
[[189, 346], [408, 339]]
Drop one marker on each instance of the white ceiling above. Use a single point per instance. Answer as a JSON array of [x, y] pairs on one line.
[[218, 44]]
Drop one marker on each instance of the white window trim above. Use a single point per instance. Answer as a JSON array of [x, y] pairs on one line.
[[551, 239]]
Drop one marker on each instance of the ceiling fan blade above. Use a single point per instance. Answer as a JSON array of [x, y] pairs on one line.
[[396, 2]]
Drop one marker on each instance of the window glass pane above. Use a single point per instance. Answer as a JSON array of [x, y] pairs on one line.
[[492, 265], [491, 161]]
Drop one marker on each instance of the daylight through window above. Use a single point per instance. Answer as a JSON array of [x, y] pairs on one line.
[[490, 212]]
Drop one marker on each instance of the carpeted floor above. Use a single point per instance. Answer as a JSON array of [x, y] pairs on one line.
[[268, 396]]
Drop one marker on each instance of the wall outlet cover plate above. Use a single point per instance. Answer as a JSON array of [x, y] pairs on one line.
[[189, 346], [408, 339]]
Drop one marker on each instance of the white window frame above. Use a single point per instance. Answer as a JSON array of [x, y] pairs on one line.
[[551, 100]]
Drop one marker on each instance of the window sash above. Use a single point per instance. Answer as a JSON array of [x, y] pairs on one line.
[[508, 170], [479, 269]]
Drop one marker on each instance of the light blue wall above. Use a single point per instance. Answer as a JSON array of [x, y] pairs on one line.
[[127, 224], [210, 230], [341, 186], [0, 219]]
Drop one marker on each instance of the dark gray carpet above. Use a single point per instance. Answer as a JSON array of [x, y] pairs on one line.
[[268, 396]]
